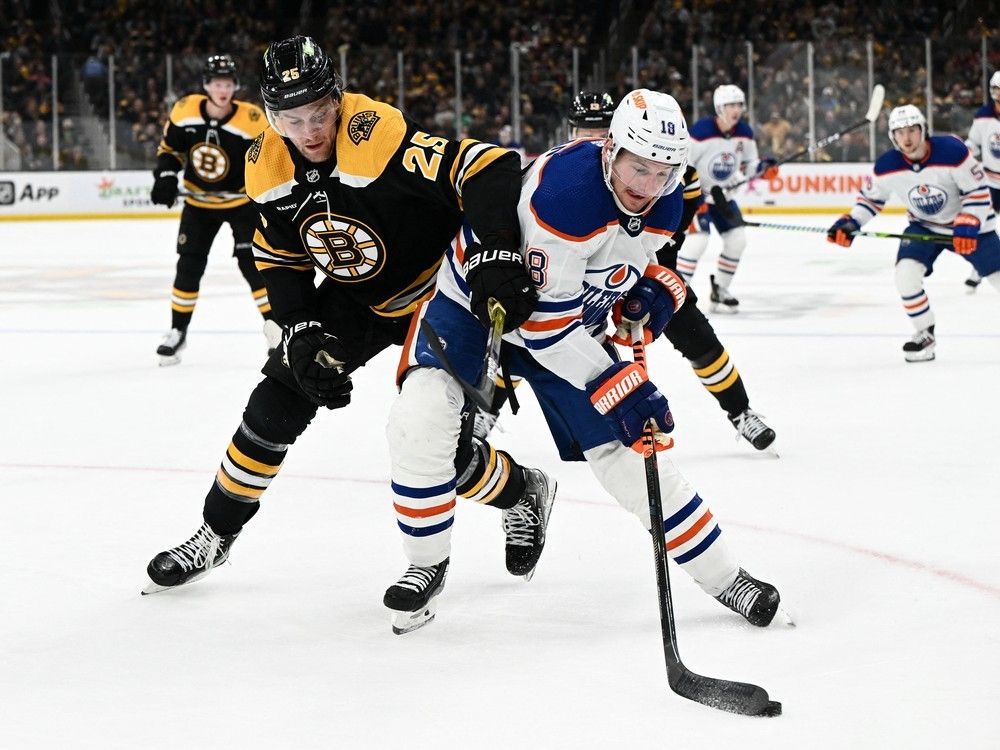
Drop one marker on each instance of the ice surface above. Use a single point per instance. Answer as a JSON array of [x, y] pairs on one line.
[[878, 524]]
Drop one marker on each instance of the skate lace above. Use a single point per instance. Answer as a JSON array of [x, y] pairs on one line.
[[417, 579], [198, 551], [749, 425], [483, 424], [172, 338], [519, 524], [741, 595]]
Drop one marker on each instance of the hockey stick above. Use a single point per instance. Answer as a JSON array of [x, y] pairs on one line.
[[482, 393], [725, 695], [206, 196], [874, 107], [735, 220]]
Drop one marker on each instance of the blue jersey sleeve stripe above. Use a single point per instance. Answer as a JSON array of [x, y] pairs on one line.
[[558, 305], [867, 208], [550, 340]]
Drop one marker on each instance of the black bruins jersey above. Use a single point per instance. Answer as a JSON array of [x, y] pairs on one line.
[[211, 151], [376, 218]]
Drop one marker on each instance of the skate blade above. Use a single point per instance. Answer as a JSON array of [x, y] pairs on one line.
[[168, 360], [407, 622], [787, 618], [917, 357], [155, 588]]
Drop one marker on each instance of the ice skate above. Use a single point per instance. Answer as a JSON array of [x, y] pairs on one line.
[[171, 347], [972, 283], [755, 600], [722, 300], [921, 347], [524, 525], [749, 425], [272, 332], [190, 561], [412, 598]]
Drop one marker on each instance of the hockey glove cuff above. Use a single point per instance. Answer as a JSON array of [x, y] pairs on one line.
[[316, 360], [500, 274], [966, 234], [651, 303], [767, 168], [626, 399], [843, 230]]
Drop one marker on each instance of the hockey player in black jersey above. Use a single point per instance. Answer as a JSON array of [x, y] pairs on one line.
[[354, 189], [205, 140]]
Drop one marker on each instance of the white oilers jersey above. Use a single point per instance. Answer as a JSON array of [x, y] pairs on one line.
[[984, 142], [583, 255], [722, 158], [945, 183]]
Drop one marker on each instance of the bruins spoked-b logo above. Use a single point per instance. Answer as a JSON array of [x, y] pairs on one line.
[[361, 125], [344, 248], [209, 161]]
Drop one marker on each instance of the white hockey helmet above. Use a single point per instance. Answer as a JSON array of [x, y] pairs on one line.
[[995, 84], [649, 124], [903, 117], [727, 94]]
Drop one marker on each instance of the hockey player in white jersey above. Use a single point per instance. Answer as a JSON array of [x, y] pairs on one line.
[[945, 193], [592, 215], [984, 143], [724, 152]]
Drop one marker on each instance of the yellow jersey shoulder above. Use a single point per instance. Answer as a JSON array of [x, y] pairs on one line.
[[370, 132], [249, 119], [268, 165], [186, 109]]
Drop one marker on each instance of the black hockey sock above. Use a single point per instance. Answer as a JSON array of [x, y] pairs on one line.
[[721, 378], [492, 477]]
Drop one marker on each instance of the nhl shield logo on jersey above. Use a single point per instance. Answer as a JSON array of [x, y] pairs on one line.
[[722, 166], [361, 125], [209, 161], [927, 199], [344, 248]]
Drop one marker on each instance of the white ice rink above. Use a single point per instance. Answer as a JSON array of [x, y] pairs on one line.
[[879, 524]]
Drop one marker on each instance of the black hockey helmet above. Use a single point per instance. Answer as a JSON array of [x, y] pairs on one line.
[[295, 72], [592, 109], [219, 66]]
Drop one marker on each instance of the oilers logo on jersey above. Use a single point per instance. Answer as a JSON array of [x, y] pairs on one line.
[[209, 161], [722, 166], [345, 249], [994, 145], [927, 199], [602, 287]]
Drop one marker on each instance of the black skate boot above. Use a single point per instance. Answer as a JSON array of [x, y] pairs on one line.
[[755, 600], [411, 598], [750, 425], [190, 561], [171, 346], [921, 347], [524, 525], [721, 299]]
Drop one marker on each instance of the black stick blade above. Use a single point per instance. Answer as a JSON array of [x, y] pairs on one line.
[[724, 695]]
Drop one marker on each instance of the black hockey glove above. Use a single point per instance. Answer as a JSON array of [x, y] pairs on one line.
[[164, 192], [316, 360], [500, 274]]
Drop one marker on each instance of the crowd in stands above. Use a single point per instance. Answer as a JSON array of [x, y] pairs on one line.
[[159, 47]]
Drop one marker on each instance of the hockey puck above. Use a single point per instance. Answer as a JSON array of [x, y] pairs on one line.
[[773, 708]]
